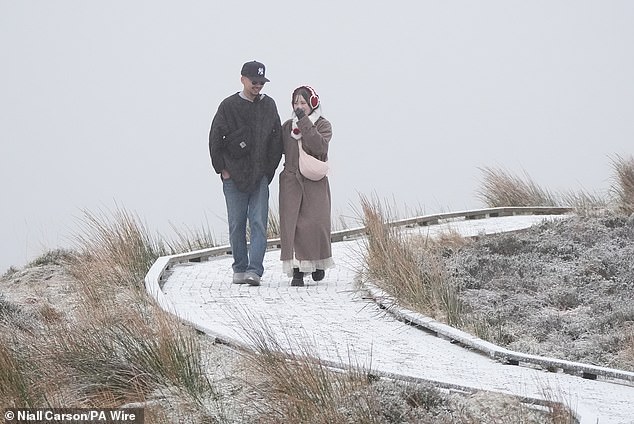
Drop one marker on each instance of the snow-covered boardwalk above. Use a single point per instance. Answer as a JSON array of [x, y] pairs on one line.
[[342, 324]]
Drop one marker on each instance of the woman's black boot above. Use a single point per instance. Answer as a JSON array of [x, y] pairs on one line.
[[298, 278], [318, 275]]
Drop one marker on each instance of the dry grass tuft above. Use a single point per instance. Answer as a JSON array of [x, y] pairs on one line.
[[623, 186], [126, 347], [501, 188], [128, 360], [17, 388], [116, 249], [273, 227], [442, 244], [52, 257], [118, 347], [585, 204], [297, 386], [417, 277], [189, 240], [559, 409], [49, 314]]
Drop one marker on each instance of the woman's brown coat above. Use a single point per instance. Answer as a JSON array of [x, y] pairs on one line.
[[305, 204]]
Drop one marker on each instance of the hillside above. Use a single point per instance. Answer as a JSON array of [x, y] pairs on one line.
[[563, 289]]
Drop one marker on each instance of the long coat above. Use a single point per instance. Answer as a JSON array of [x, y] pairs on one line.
[[305, 204]]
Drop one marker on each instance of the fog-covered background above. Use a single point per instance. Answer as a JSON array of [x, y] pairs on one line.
[[107, 104]]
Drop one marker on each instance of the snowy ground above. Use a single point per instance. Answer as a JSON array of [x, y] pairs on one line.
[[339, 322]]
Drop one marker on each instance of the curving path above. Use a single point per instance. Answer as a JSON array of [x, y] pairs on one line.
[[340, 323]]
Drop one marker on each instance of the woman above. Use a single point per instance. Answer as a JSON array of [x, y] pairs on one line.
[[304, 203]]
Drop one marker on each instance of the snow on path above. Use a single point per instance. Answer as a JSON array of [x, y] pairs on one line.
[[340, 324]]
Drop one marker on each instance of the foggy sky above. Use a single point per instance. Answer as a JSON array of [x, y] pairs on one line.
[[107, 104]]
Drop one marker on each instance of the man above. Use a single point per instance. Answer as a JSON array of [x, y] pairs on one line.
[[245, 145]]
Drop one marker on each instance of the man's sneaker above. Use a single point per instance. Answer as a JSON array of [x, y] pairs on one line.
[[318, 275], [252, 279], [238, 278]]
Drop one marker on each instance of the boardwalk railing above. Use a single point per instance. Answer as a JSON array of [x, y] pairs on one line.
[[158, 271], [501, 354], [337, 236]]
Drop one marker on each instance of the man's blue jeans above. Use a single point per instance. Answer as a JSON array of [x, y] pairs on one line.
[[255, 207]]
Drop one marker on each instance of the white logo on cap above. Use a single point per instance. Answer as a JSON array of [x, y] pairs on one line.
[[260, 71]]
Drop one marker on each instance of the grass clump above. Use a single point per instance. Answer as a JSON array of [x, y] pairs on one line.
[[118, 346], [419, 278], [296, 387], [10, 271], [117, 249], [17, 388], [501, 188], [585, 203], [273, 227], [623, 186], [129, 346], [130, 360], [299, 388], [189, 240], [52, 257]]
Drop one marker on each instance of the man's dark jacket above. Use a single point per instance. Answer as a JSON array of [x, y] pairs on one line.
[[264, 140]]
